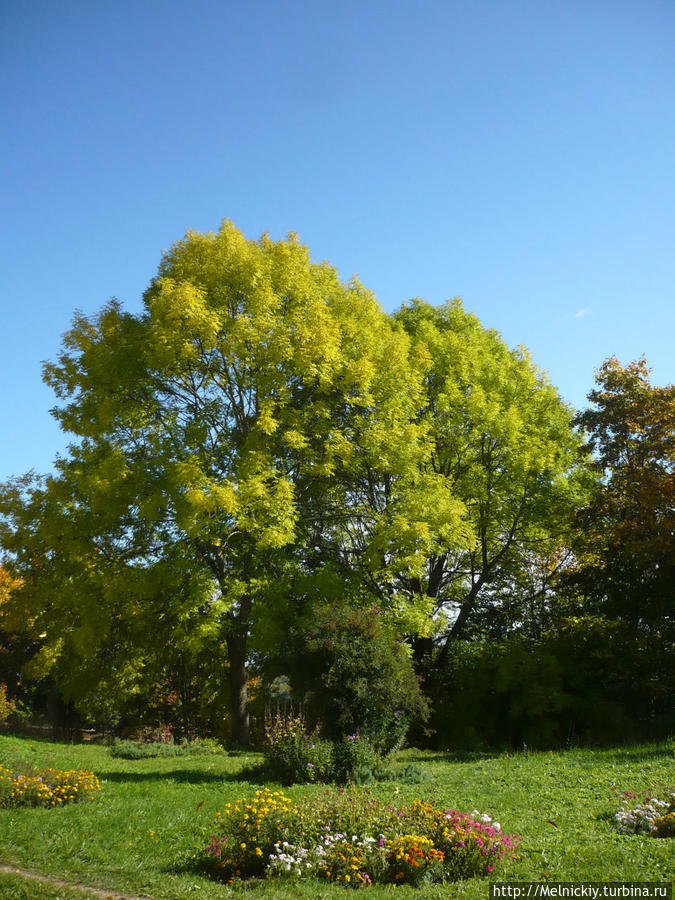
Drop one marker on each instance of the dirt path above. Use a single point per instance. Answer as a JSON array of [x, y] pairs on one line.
[[60, 882]]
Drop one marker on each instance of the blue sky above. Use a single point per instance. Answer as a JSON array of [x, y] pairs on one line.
[[518, 154]]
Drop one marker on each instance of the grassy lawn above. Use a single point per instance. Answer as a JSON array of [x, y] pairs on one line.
[[138, 834]]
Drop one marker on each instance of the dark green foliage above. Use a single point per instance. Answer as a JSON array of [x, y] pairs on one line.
[[355, 676], [408, 774], [497, 694], [294, 754], [587, 680], [383, 771], [355, 758]]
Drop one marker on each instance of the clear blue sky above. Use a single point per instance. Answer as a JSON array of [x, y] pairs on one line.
[[518, 154]]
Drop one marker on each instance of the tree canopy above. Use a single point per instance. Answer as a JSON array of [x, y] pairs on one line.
[[261, 453], [502, 441], [628, 529], [256, 403]]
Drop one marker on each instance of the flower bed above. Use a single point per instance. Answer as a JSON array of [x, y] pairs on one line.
[[646, 814], [351, 838], [46, 787]]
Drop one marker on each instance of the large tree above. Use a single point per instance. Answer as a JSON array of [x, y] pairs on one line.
[[217, 435], [502, 441]]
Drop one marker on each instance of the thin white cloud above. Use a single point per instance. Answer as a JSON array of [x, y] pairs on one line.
[[579, 314]]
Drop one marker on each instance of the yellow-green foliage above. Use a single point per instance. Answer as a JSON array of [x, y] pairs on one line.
[[504, 451], [7, 707], [257, 406]]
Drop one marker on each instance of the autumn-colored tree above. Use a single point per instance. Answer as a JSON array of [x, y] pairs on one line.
[[15, 648], [628, 530]]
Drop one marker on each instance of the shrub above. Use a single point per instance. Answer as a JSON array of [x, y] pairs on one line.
[[355, 675], [498, 693], [161, 734], [408, 774], [141, 750], [205, 745], [564, 686], [350, 838], [295, 754], [356, 759], [24, 786]]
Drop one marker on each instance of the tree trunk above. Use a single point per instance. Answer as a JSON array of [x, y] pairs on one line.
[[422, 650], [459, 623], [236, 648]]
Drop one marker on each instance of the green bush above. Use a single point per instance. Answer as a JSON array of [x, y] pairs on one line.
[[295, 754], [408, 774], [494, 694], [355, 759], [141, 750], [355, 676], [205, 745]]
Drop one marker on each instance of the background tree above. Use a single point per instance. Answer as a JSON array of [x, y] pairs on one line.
[[15, 649], [628, 530], [596, 662]]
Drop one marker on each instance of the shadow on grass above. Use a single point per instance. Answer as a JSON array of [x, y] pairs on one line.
[[636, 754], [607, 818], [422, 756], [194, 864], [251, 775], [612, 753]]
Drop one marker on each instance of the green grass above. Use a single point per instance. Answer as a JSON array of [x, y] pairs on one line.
[[14, 887], [151, 814]]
